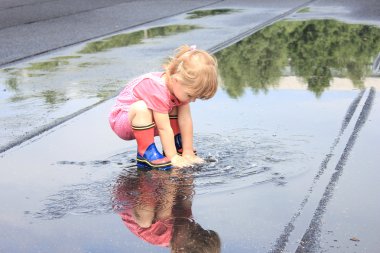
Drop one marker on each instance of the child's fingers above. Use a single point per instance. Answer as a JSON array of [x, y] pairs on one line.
[[179, 161], [194, 159]]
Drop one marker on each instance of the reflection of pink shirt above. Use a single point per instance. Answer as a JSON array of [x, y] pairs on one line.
[[159, 233], [152, 89], [146, 190]]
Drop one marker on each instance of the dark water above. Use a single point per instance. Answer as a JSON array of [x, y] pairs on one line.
[[263, 142]]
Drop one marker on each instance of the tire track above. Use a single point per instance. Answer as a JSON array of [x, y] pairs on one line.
[[310, 237], [310, 240]]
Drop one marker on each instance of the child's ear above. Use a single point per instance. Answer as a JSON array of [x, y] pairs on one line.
[[174, 79]]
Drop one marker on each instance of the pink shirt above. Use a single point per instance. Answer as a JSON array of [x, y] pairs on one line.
[[152, 89]]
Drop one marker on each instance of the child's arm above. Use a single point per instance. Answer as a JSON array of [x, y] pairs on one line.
[[185, 122], [167, 139]]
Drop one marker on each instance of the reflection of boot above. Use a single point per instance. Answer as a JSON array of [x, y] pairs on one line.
[[177, 134], [147, 154]]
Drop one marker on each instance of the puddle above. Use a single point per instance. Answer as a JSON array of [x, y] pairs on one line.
[[205, 13], [317, 52], [258, 152], [253, 157], [156, 206]]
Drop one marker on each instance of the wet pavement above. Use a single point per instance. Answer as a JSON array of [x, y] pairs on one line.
[[290, 139], [34, 27]]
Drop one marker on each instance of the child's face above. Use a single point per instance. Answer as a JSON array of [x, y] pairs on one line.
[[181, 93]]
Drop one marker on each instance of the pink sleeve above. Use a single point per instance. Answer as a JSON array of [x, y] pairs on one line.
[[153, 94]]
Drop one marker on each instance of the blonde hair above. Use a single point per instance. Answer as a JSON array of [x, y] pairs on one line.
[[196, 69]]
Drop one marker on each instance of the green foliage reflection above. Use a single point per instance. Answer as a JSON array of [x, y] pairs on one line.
[[52, 64], [315, 50], [304, 10], [134, 38]]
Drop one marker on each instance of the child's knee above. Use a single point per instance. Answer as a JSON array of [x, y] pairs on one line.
[[141, 110], [139, 106]]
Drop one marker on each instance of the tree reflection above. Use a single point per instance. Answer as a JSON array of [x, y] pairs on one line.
[[134, 38], [156, 207], [315, 50]]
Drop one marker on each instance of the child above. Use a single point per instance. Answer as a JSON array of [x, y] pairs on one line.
[[157, 103]]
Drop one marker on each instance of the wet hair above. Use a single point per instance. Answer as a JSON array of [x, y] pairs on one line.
[[196, 69]]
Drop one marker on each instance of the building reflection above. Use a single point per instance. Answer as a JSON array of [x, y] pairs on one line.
[[156, 206]]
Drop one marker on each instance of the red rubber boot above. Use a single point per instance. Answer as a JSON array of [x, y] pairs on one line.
[[148, 156]]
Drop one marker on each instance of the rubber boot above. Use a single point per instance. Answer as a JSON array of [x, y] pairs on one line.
[[148, 156], [177, 133]]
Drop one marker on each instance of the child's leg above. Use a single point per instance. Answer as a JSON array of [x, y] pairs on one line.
[[141, 118], [142, 124]]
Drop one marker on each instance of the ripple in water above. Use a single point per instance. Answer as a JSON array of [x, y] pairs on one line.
[[246, 158], [242, 159]]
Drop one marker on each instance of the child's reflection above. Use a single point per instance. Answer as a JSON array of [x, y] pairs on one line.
[[156, 207]]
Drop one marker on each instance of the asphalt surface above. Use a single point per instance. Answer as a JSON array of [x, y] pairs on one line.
[[30, 28]]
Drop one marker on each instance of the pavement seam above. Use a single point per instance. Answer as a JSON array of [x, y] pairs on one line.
[[46, 127], [251, 31]]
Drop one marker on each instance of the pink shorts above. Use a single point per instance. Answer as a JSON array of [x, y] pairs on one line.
[[120, 124]]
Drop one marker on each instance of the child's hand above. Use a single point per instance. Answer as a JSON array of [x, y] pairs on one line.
[[193, 159], [179, 161]]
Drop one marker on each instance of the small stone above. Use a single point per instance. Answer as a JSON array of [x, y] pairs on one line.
[[354, 239]]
